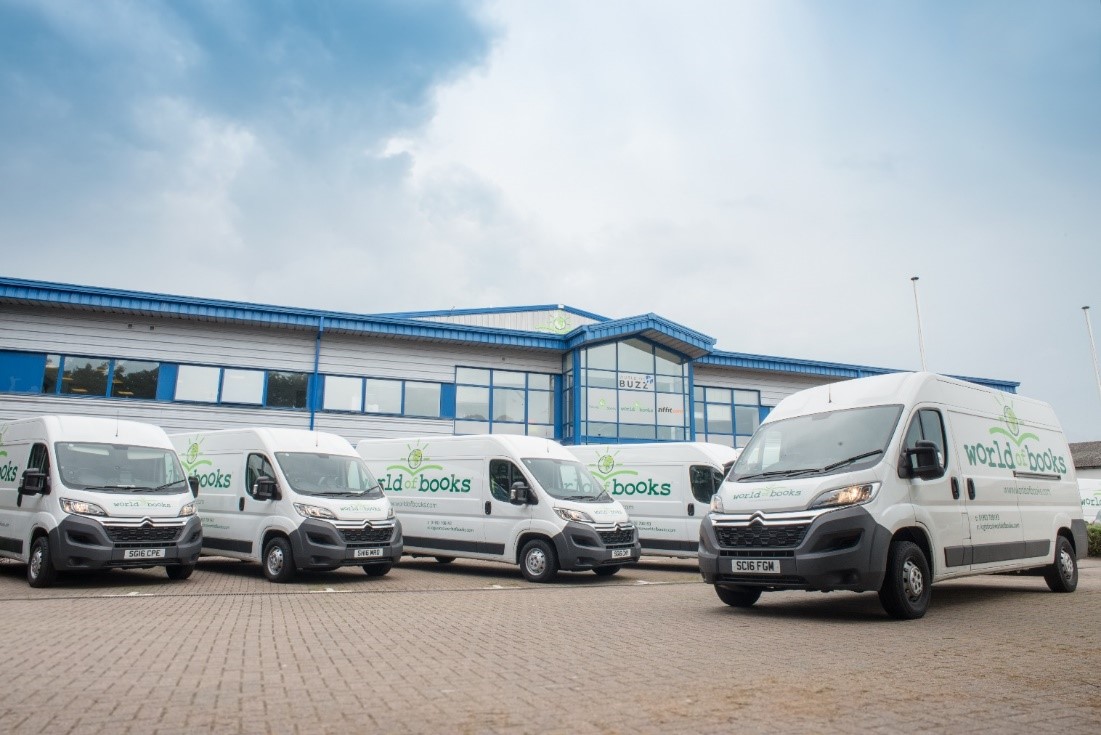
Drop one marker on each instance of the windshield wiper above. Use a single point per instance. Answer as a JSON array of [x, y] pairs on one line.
[[579, 498], [160, 487], [850, 460], [779, 473]]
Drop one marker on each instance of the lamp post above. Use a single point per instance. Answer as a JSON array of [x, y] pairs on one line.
[[921, 338], [1093, 347]]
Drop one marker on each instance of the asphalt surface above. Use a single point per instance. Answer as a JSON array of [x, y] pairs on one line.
[[473, 648]]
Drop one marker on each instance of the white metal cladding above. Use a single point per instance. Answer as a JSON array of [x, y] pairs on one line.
[[773, 388], [181, 417], [150, 338], [554, 321], [343, 354]]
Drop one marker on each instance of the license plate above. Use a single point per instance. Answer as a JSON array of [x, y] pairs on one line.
[[361, 553], [756, 566], [621, 553], [143, 554]]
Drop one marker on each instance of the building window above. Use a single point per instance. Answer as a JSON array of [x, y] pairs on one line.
[[287, 390], [422, 399], [134, 379], [378, 395], [196, 383], [726, 415], [243, 386], [631, 390], [504, 402], [84, 376], [383, 396]]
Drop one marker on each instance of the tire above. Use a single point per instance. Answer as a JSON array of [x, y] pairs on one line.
[[1062, 576], [538, 562], [378, 570], [40, 564], [738, 596], [179, 571], [606, 571], [907, 587], [278, 561], [445, 559]]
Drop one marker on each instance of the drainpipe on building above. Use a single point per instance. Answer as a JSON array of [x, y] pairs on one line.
[[315, 384]]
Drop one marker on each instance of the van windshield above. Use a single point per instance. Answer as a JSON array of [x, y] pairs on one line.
[[567, 480], [329, 475], [119, 468], [818, 444]]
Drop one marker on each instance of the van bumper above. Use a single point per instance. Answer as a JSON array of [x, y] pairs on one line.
[[320, 545], [580, 547], [83, 543], [841, 550]]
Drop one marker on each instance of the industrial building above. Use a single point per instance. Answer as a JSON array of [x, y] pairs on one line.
[[550, 370]]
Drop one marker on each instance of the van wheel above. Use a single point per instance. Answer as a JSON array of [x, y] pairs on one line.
[[445, 559], [279, 560], [738, 596], [179, 571], [907, 587], [1062, 576], [40, 565], [606, 571], [377, 570], [538, 561]]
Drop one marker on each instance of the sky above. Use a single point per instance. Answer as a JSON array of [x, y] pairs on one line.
[[771, 174]]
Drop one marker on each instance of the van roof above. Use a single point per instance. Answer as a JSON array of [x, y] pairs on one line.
[[910, 389], [99, 429], [661, 451], [270, 438]]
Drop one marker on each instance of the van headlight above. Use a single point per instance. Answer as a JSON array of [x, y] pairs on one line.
[[187, 510], [717, 504], [81, 508], [568, 514], [390, 512], [842, 496], [314, 511]]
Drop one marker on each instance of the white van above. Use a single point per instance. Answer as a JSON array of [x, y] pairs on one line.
[[666, 487], [291, 499], [80, 493], [1089, 491], [516, 499], [891, 483]]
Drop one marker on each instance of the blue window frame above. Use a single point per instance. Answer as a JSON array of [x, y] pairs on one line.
[[492, 401], [382, 396], [726, 415]]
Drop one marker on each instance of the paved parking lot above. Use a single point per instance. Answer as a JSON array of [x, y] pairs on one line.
[[473, 648]]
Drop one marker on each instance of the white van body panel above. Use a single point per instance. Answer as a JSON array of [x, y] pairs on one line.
[[134, 519], [236, 524], [1006, 491], [1089, 491], [441, 490], [664, 486]]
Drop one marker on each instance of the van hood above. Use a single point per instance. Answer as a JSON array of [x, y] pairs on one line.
[[125, 505], [795, 493], [612, 512]]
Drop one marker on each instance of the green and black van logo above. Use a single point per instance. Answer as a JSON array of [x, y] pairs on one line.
[[605, 470], [1011, 449], [193, 459], [9, 471], [413, 475]]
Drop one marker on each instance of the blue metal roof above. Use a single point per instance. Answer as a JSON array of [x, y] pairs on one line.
[[688, 342], [830, 369], [498, 310]]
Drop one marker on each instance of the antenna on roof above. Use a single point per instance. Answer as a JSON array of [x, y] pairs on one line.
[[917, 310], [116, 423]]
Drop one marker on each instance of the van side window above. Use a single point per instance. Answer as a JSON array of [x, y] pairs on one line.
[[502, 474], [39, 459], [704, 481], [927, 426], [257, 466]]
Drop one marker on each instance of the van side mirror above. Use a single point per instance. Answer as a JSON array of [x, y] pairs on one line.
[[923, 461], [519, 493], [193, 483], [33, 483], [265, 488]]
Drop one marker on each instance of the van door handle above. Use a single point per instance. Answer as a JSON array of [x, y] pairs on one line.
[[489, 508], [691, 509], [970, 488], [241, 504], [955, 488]]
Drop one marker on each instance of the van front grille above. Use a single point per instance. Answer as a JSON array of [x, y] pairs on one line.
[[620, 536], [142, 534], [758, 535], [366, 535]]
